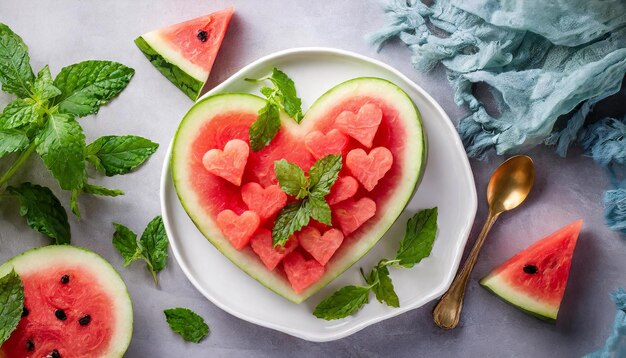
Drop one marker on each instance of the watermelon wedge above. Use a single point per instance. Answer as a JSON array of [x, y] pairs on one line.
[[534, 280], [75, 305], [184, 53], [368, 116]]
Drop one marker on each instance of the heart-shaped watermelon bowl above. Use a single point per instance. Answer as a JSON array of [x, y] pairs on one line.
[[232, 195]]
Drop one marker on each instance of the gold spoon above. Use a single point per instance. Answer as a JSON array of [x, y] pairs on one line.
[[509, 186]]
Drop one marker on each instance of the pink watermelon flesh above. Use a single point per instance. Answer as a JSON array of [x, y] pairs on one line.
[[301, 273], [344, 188], [263, 246], [217, 195], [238, 229], [266, 202], [321, 145], [321, 246], [535, 279], [186, 38], [370, 167], [67, 307], [351, 214], [228, 163], [361, 125]]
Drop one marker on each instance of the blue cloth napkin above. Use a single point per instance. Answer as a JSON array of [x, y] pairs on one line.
[[547, 64], [615, 346]]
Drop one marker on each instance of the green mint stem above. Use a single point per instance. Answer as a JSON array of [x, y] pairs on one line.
[[18, 163]]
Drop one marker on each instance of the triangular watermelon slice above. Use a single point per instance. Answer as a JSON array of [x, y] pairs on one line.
[[185, 52], [534, 280]]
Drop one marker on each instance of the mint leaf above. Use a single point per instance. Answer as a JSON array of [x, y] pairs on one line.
[[11, 304], [21, 113], [323, 174], [187, 324], [287, 94], [383, 286], [87, 85], [114, 155], [61, 145], [291, 179], [12, 141], [153, 245], [343, 303], [421, 230], [43, 211], [43, 88], [125, 241], [16, 75], [293, 217], [267, 124], [318, 209], [99, 190]]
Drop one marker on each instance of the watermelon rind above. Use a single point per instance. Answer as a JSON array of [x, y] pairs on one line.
[[188, 78], [108, 279], [414, 166], [521, 300]]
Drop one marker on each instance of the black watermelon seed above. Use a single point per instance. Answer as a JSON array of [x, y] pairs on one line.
[[530, 269], [25, 311], [60, 314], [85, 320], [65, 279], [54, 354], [30, 346], [202, 35]]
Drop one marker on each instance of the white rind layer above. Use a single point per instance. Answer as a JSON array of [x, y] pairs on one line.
[[519, 298], [171, 55]]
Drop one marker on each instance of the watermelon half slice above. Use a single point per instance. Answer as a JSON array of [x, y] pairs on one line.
[[185, 52], [231, 192], [75, 305], [534, 280]]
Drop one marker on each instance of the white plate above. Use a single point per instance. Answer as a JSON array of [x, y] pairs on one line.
[[448, 184]]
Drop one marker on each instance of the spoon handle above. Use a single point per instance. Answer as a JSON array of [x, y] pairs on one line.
[[448, 310]]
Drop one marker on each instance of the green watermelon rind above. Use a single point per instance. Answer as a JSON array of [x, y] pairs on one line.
[[251, 264], [172, 71], [40, 256], [521, 301]]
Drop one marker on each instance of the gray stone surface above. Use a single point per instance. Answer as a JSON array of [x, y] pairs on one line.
[[62, 32]]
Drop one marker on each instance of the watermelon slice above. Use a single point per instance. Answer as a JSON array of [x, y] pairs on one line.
[[75, 305], [534, 280], [185, 52], [356, 114]]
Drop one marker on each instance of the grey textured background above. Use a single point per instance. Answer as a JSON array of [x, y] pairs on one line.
[[63, 32]]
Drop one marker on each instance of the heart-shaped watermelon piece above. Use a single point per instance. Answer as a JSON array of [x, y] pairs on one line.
[[367, 115]]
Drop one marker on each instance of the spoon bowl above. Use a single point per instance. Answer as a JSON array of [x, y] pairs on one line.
[[510, 184]]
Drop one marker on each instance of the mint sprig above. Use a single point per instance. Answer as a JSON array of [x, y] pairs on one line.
[[309, 191], [421, 231], [281, 96], [151, 247], [11, 304], [187, 324], [42, 120]]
